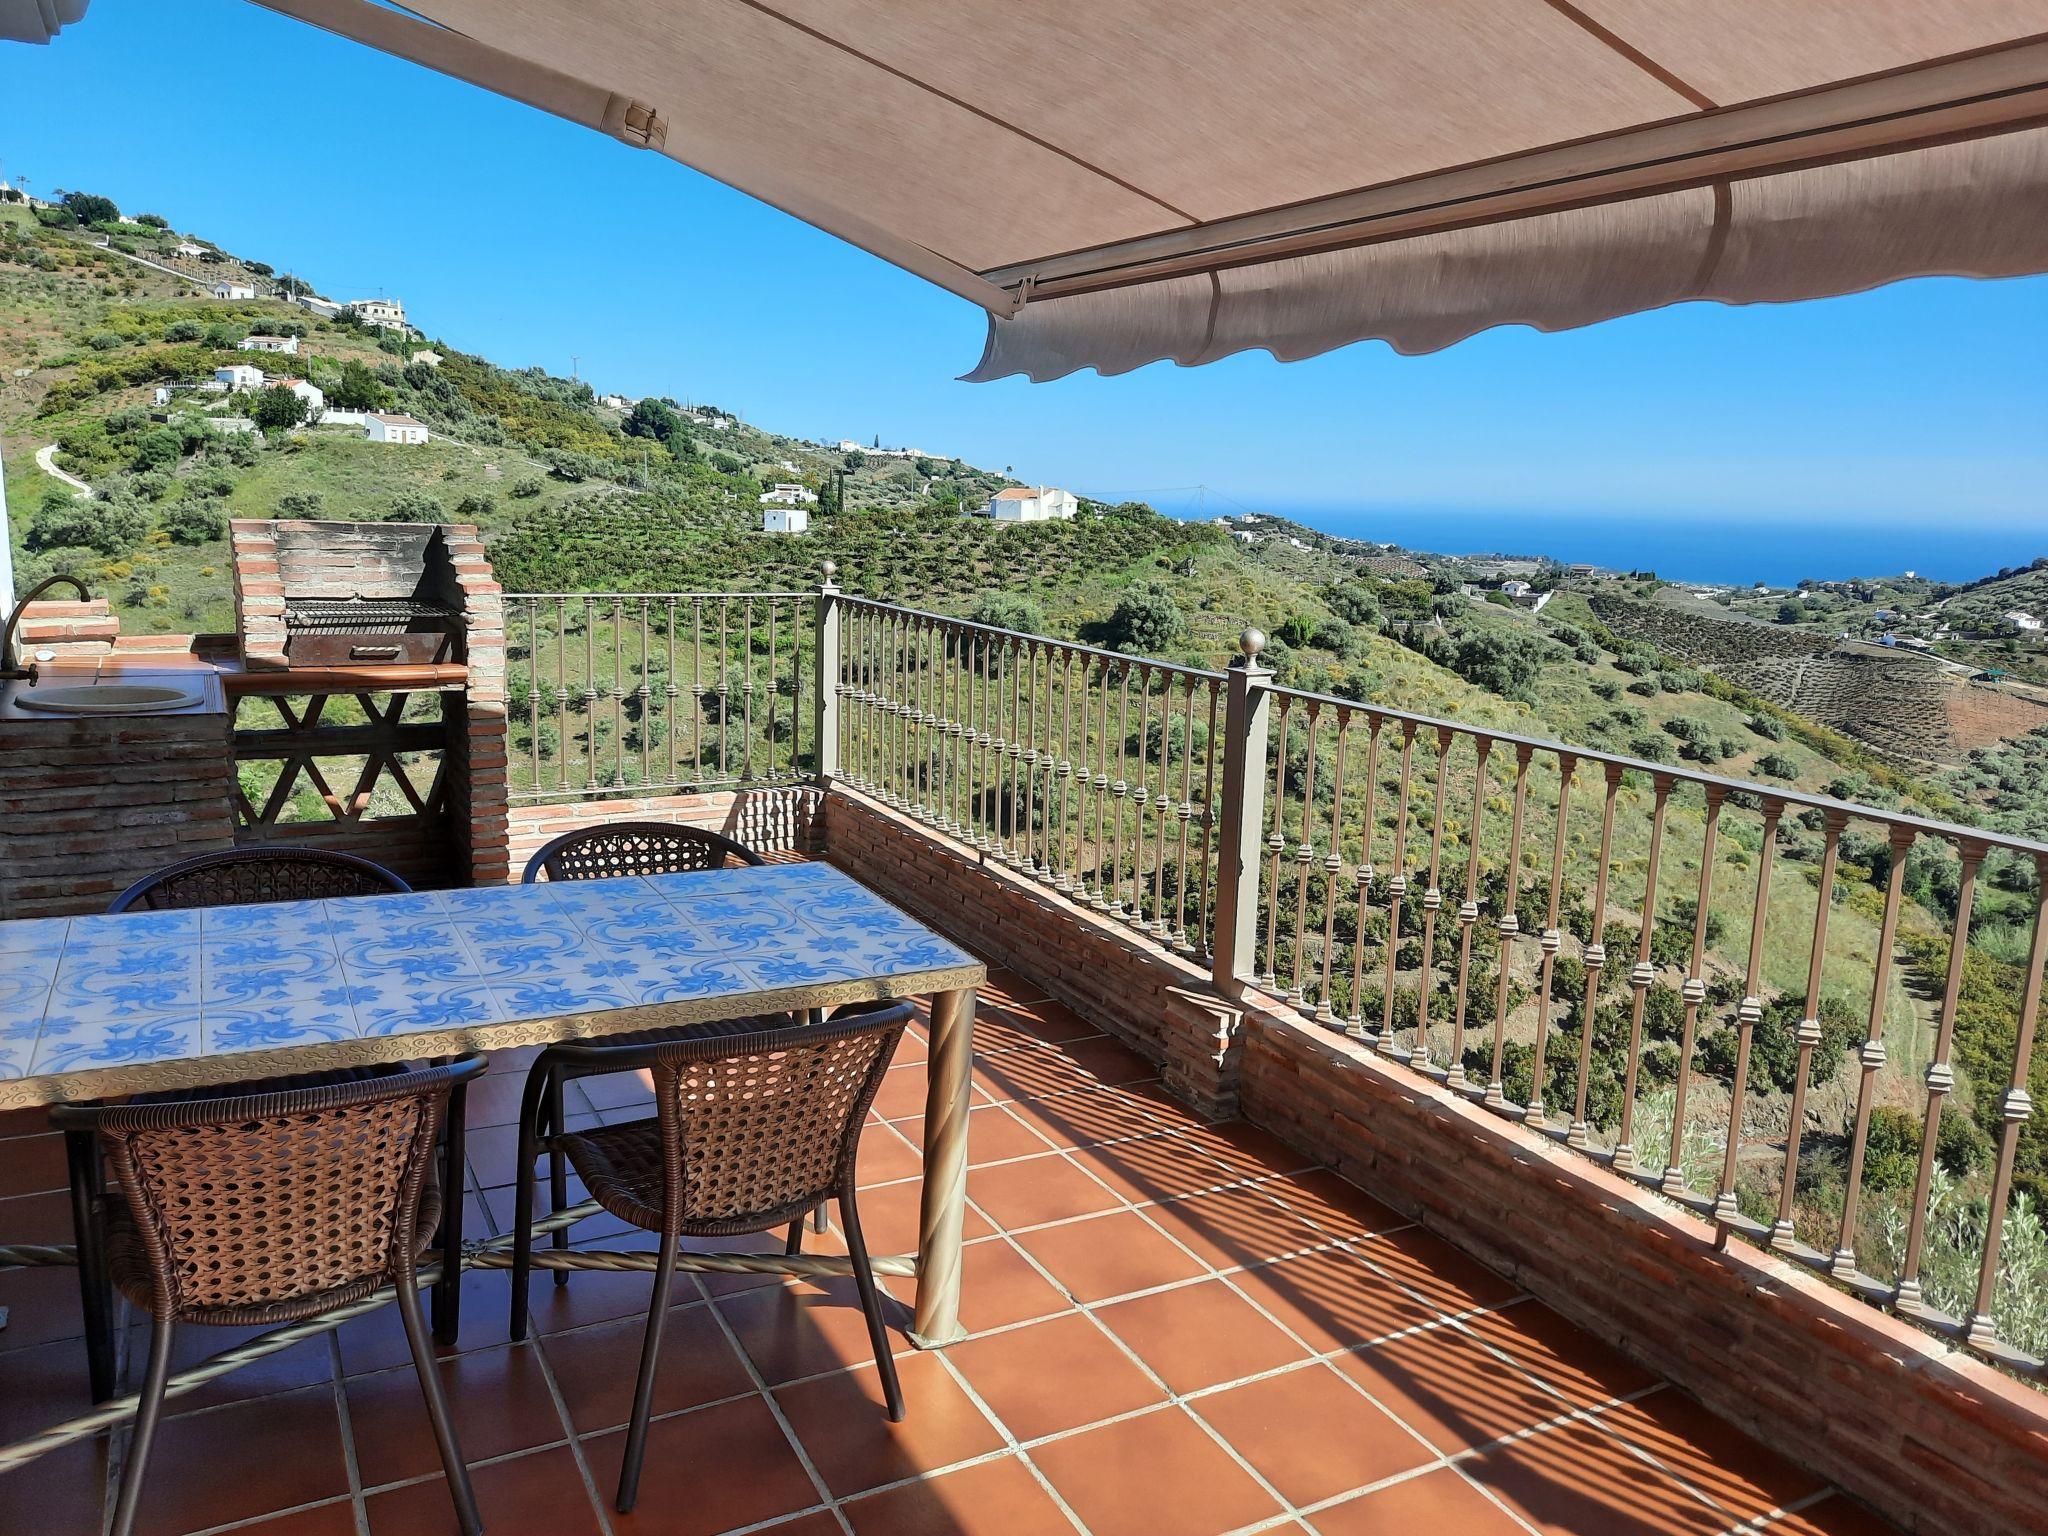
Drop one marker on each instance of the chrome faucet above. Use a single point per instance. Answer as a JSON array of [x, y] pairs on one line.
[[10, 666]]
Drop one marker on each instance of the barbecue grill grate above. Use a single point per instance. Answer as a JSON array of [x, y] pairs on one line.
[[360, 613]]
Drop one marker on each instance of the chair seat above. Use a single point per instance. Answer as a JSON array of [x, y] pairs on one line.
[[128, 1267]]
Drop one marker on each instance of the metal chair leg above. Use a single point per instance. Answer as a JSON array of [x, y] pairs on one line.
[[795, 1242], [146, 1416], [448, 1289], [95, 1288], [558, 1169], [870, 1303], [459, 1489], [532, 1105], [650, 1361]]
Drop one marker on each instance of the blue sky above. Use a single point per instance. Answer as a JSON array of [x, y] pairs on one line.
[[533, 241]]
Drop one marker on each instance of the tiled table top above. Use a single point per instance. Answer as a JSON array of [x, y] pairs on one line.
[[122, 1003]]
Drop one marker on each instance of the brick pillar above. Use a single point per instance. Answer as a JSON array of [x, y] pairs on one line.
[[259, 593], [477, 720]]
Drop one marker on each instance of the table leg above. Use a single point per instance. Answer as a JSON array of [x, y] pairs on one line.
[[944, 1201], [95, 1287], [454, 1179]]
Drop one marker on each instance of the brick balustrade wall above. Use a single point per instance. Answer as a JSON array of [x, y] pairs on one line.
[[475, 754], [1936, 1439], [779, 820], [259, 592]]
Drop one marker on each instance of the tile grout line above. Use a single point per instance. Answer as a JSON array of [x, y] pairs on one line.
[[348, 1434]]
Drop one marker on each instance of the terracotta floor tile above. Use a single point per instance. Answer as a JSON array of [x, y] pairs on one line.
[[1836, 1515], [1577, 1481], [902, 1092], [1053, 1375], [303, 1365], [596, 1367], [804, 1329], [1200, 1335], [999, 1286], [618, 1090], [1105, 1256], [58, 1494], [376, 1342], [889, 1218], [1235, 1226], [1441, 1273], [1449, 1389], [31, 1164], [994, 1135], [1441, 1502], [44, 1218], [1083, 1118], [1154, 1167], [1333, 1204], [1331, 1300], [1005, 988], [542, 1492], [706, 1471], [243, 1461], [997, 1498], [1248, 1149], [1310, 1434], [42, 1385], [886, 1157], [1109, 1062], [1037, 1190], [839, 1421], [42, 1306], [499, 1400], [817, 1523], [335, 1519], [1030, 1073], [1729, 1467], [1155, 1475], [1054, 1023], [1574, 1362]]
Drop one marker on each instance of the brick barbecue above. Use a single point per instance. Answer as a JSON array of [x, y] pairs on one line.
[[350, 594]]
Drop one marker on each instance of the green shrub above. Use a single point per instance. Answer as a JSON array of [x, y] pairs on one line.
[[194, 522]]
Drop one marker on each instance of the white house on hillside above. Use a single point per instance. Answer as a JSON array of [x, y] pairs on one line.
[[788, 495], [326, 309], [615, 402], [287, 345], [781, 519], [187, 249], [2021, 622], [239, 376], [426, 355], [393, 427], [226, 288], [312, 394], [386, 314], [1031, 504], [1516, 588]]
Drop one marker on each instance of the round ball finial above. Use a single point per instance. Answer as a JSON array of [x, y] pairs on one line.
[[1252, 641], [831, 570]]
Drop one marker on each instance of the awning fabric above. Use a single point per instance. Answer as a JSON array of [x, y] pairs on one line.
[[1117, 181], [36, 21]]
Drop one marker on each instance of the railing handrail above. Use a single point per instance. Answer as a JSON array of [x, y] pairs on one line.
[[1850, 809], [611, 597], [1074, 647]]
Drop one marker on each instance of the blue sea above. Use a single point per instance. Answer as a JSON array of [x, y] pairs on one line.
[[1695, 547]]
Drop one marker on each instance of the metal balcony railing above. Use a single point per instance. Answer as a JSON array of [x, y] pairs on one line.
[[1810, 1021], [657, 692]]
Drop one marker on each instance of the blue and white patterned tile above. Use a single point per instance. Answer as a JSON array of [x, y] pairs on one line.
[[110, 979], [525, 923], [684, 980], [34, 934], [313, 991], [80, 1044], [588, 902], [265, 956], [275, 922], [129, 929], [537, 992], [413, 949], [537, 949], [268, 1026], [367, 916], [397, 1010], [25, 977], [673, 937]]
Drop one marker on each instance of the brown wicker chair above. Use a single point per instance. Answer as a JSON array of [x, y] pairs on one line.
[[263, 1209], [239, 877], [603, 853], [751, 1132], [242, 876], [635, 848]]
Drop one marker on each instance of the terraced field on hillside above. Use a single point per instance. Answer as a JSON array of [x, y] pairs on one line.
[[1723, 644]]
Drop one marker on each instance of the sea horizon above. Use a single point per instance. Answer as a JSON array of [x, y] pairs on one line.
[[1715, 548]]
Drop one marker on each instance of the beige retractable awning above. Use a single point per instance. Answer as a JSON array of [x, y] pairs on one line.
[[1117, 181]]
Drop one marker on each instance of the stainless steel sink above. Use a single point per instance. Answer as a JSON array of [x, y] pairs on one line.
[[107, 699]]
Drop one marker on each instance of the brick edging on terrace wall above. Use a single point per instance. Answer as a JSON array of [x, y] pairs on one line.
[[771, 820], [1936, 1439]]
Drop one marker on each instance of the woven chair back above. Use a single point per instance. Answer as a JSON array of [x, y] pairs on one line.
[[636, 848], [248, 875], [761, 1127], [250, 1204]]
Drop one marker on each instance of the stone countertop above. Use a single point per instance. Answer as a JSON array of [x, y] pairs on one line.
[[169, 671]]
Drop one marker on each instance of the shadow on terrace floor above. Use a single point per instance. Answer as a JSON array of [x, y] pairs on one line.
[[1177, 1330]]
